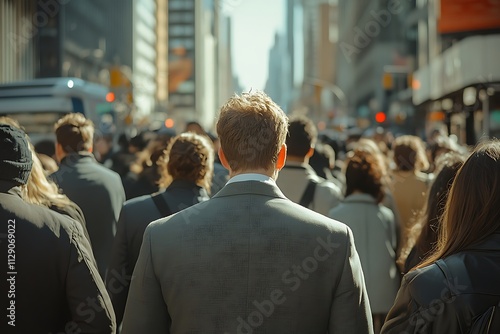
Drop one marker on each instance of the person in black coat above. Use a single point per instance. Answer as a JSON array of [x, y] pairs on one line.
[[187, 168], [97, 190], [50, 282]]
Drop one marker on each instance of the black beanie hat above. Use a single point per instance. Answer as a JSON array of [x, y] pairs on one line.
[[15, 155]]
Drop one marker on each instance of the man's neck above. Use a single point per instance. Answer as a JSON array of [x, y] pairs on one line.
[[271, 173]]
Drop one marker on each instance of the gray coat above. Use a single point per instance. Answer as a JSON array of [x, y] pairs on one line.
[[98, 191], [247, 260], [374, 230]]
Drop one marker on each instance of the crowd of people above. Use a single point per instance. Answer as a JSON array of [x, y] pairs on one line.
[[262, 228]]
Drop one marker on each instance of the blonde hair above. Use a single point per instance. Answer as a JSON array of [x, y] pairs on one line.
[[189, 157], [42, 191], [39, 190], [252, 129]]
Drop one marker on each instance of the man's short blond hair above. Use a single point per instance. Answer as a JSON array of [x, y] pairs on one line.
[[252, 129], [74, 133]]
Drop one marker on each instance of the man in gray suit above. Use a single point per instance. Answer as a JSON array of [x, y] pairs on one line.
[[248, 260]]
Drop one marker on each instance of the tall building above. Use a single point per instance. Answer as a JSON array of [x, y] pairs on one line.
[[374, 60], [193, 60], [316, 71], [162, 54], [226, 85], [83, 39], [279, 83], [286, 59], [18, 50], [457, 79]]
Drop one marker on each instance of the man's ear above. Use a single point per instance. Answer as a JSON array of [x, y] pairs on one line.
[[310, 152], [280, 163], [223, 160], [59, 152]]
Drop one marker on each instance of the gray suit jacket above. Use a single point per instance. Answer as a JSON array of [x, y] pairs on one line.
[[247, 261], [98, 191]]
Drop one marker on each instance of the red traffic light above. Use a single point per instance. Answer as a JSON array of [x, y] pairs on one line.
[[380, 117], [110, 97], [169, 123]]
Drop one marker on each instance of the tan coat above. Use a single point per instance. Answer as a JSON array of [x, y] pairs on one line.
[[409, 189]]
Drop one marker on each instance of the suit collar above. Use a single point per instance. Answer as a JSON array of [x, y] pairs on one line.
[[360, 198], [250, 187], [73, 158]]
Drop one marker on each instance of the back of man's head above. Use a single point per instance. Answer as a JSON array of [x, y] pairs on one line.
[[302, 135], [252, 130], [74, 133], [16, 158]]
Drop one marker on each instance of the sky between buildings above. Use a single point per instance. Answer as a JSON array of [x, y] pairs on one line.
[[254, 24]]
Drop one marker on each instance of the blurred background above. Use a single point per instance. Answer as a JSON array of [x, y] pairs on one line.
[[408, 66]]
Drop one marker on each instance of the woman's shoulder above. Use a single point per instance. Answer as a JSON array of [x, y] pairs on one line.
[[441, 281], [427, 285]]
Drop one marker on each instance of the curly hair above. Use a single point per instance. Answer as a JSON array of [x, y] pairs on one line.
[[365, 173], [188, 157]]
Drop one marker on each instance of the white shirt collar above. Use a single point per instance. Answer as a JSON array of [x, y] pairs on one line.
[[252, 177]]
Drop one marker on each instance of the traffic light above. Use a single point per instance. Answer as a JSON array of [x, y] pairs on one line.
[[110, 97], [169, 123], [380, 117]]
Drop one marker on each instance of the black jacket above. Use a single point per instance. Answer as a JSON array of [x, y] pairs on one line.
[[135, 216], [449, 295], [98, 191], [49, 278]]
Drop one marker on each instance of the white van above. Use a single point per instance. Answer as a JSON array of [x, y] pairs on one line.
[[38, 104]]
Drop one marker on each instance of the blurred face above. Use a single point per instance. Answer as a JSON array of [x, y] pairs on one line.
[[102, 146], [195, 128]]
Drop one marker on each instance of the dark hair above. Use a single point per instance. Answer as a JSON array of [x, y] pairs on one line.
[[364, 173], [46, 147], [423, 235], [409, 153], [471, 213], [74, 133], [301, 136]]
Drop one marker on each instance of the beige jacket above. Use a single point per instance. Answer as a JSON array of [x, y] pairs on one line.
[[293, 181]]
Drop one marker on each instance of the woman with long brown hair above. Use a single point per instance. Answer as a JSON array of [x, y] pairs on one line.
[[451, 290]]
